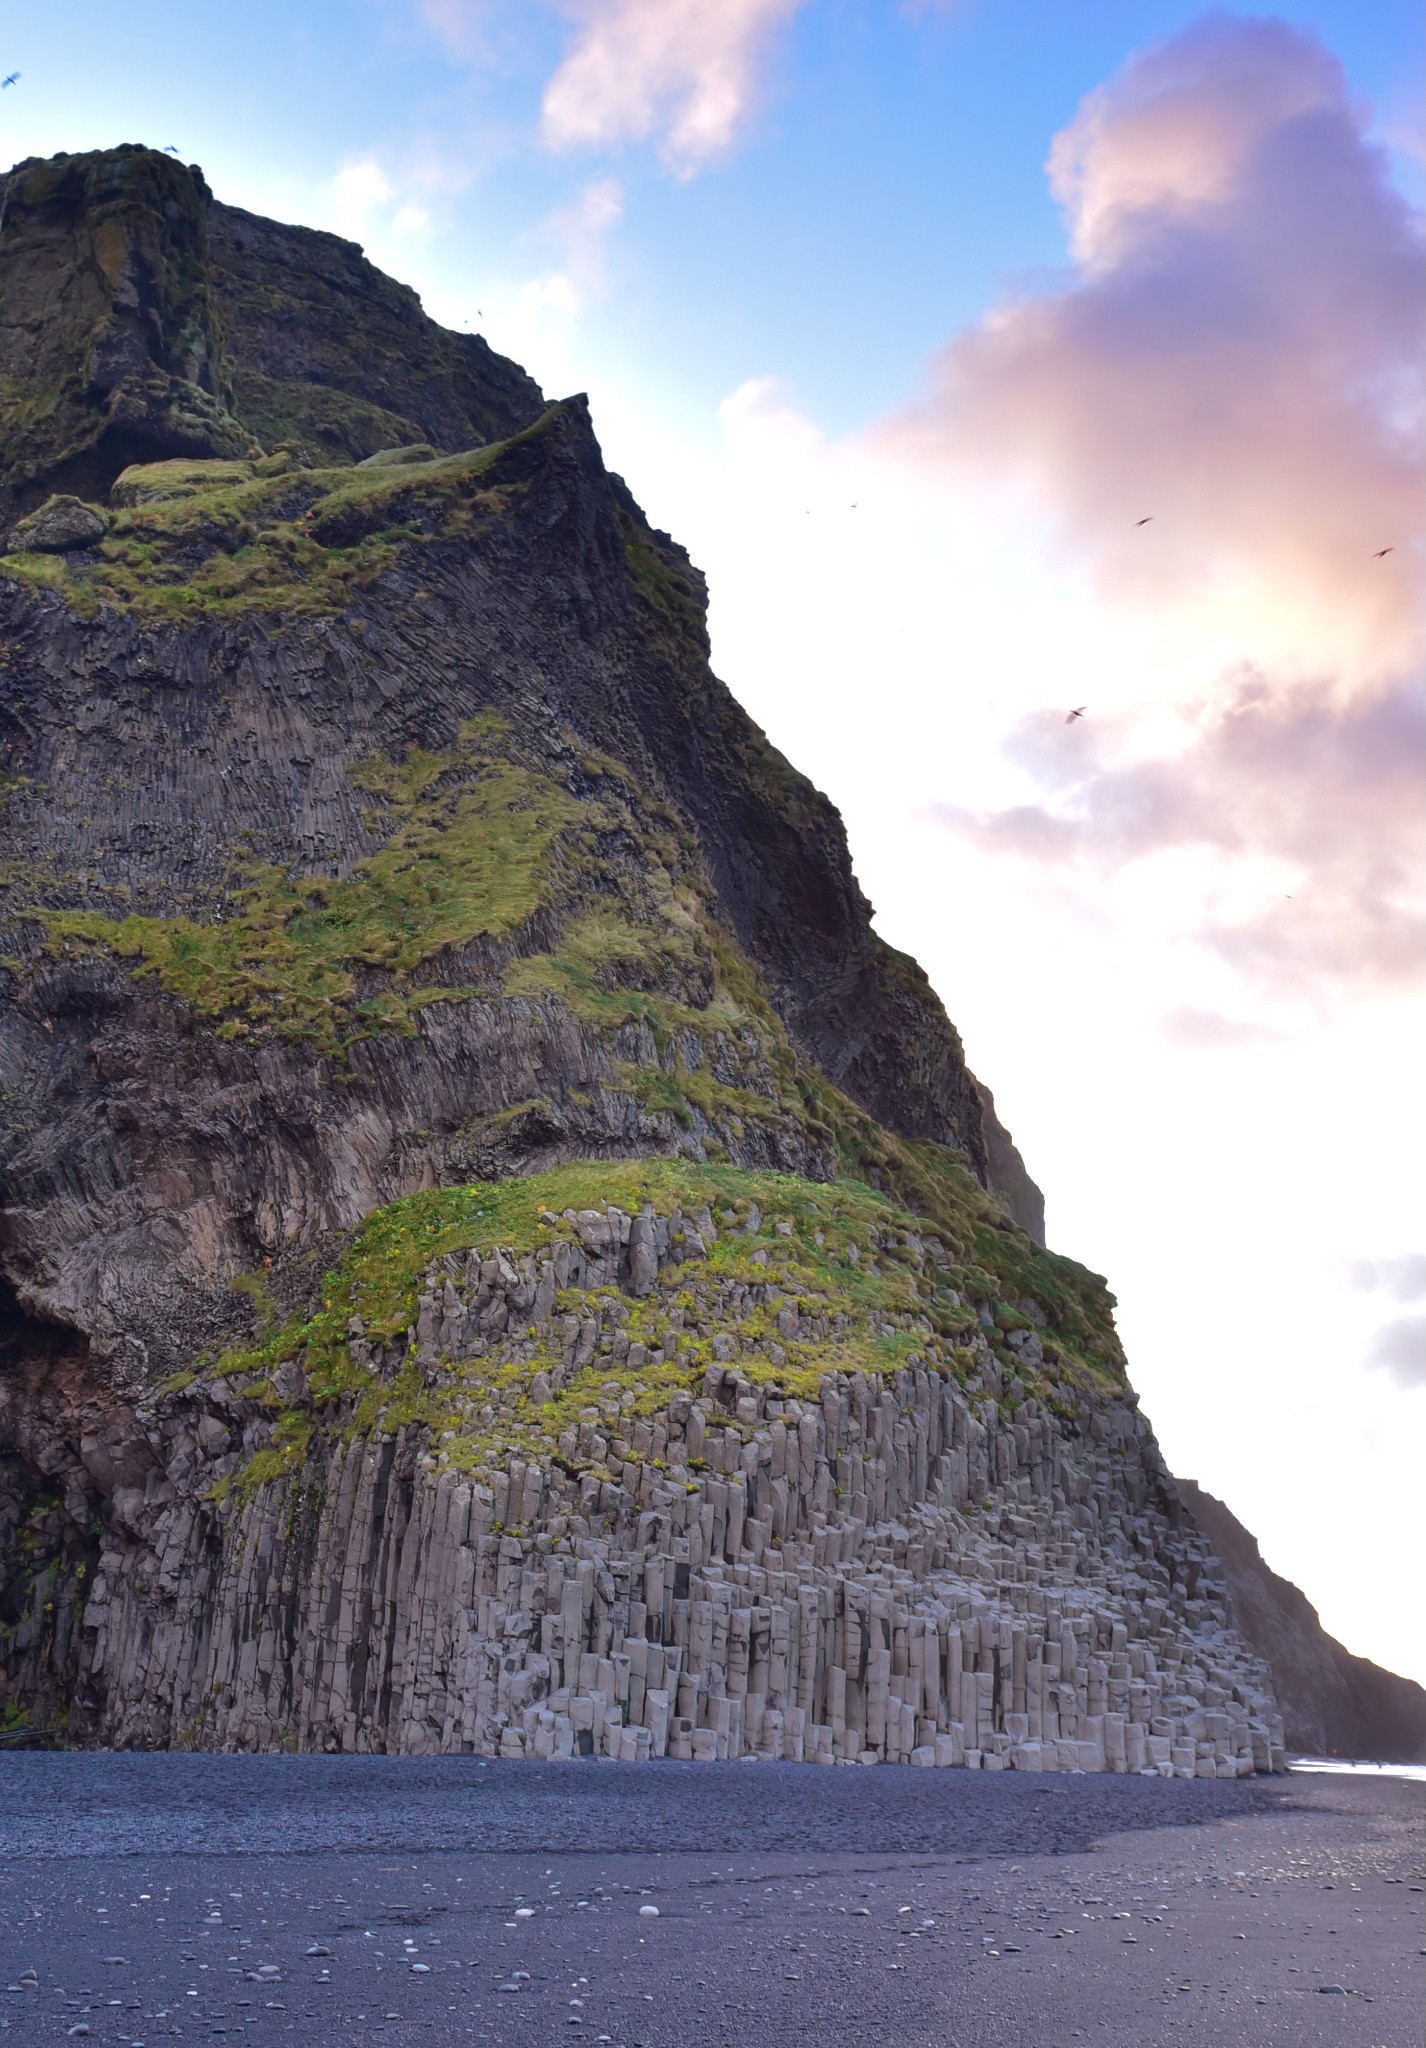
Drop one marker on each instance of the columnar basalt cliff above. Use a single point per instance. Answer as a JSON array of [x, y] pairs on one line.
[[494, 1252], [852, 1534]]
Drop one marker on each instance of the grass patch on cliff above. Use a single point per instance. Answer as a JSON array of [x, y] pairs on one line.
[[239, 537], [486, 1408], [286, 1454], [380, 1276], [265, 535], [480, 841], [839, 1251], [680, 1089], [669, 593], [298, 954], [611, 970]]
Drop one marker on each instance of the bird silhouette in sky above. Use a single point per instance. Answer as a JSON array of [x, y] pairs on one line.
[[1383, 551], [13, 79], [170, 149], [1145, 520], [1078, 712]]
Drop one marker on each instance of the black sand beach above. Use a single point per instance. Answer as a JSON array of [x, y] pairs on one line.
[[309, 1900]]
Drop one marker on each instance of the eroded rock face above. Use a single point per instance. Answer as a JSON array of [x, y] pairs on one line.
[[338, 360], [174, 1133], [109, 349], [914, 1561], [58, 526], [171, 327], [1333, 1704], [1007, 1172]]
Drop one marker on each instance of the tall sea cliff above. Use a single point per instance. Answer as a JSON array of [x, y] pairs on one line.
[[495, 1253]]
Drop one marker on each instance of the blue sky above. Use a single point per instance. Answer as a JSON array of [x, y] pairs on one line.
[[888, 185], [904, 403]]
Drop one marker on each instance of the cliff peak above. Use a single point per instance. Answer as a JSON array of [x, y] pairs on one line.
[[141, 322]]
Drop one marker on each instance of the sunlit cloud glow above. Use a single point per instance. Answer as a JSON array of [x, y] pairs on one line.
[[1221, 407], [1329, 797], [1238, 355], [682, 71]]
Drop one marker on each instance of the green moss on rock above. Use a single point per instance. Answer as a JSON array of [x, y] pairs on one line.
[[855, 1263], [191, 536], [469, 858]]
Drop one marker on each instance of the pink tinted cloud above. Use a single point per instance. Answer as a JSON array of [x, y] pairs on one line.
[[1210, 1031], [1237, 351], [1336, 791], [684, 71]]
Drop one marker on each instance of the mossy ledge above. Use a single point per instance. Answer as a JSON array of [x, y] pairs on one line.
[[185, 537], [327, 960], [809, 1278], [676, 1479]]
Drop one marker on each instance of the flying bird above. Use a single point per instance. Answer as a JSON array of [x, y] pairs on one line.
[[13, 79], [1145, 520], [1383, 551], [170, 149], [1078, 712]]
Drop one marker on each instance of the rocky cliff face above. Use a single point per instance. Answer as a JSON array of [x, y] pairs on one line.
[[655, 1481], [140, 321], [379, 848], [1007, 1173], [1333, 1704]]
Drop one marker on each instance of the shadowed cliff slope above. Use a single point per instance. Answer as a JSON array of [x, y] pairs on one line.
[[1333, 1704]]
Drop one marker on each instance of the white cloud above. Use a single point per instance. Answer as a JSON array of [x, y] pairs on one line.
[[368, 201], [539, 318], [583, 228], [361, 191], [1399, 1350], [411, 223], [1403, 1278], [686, 72], [464, 26]]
